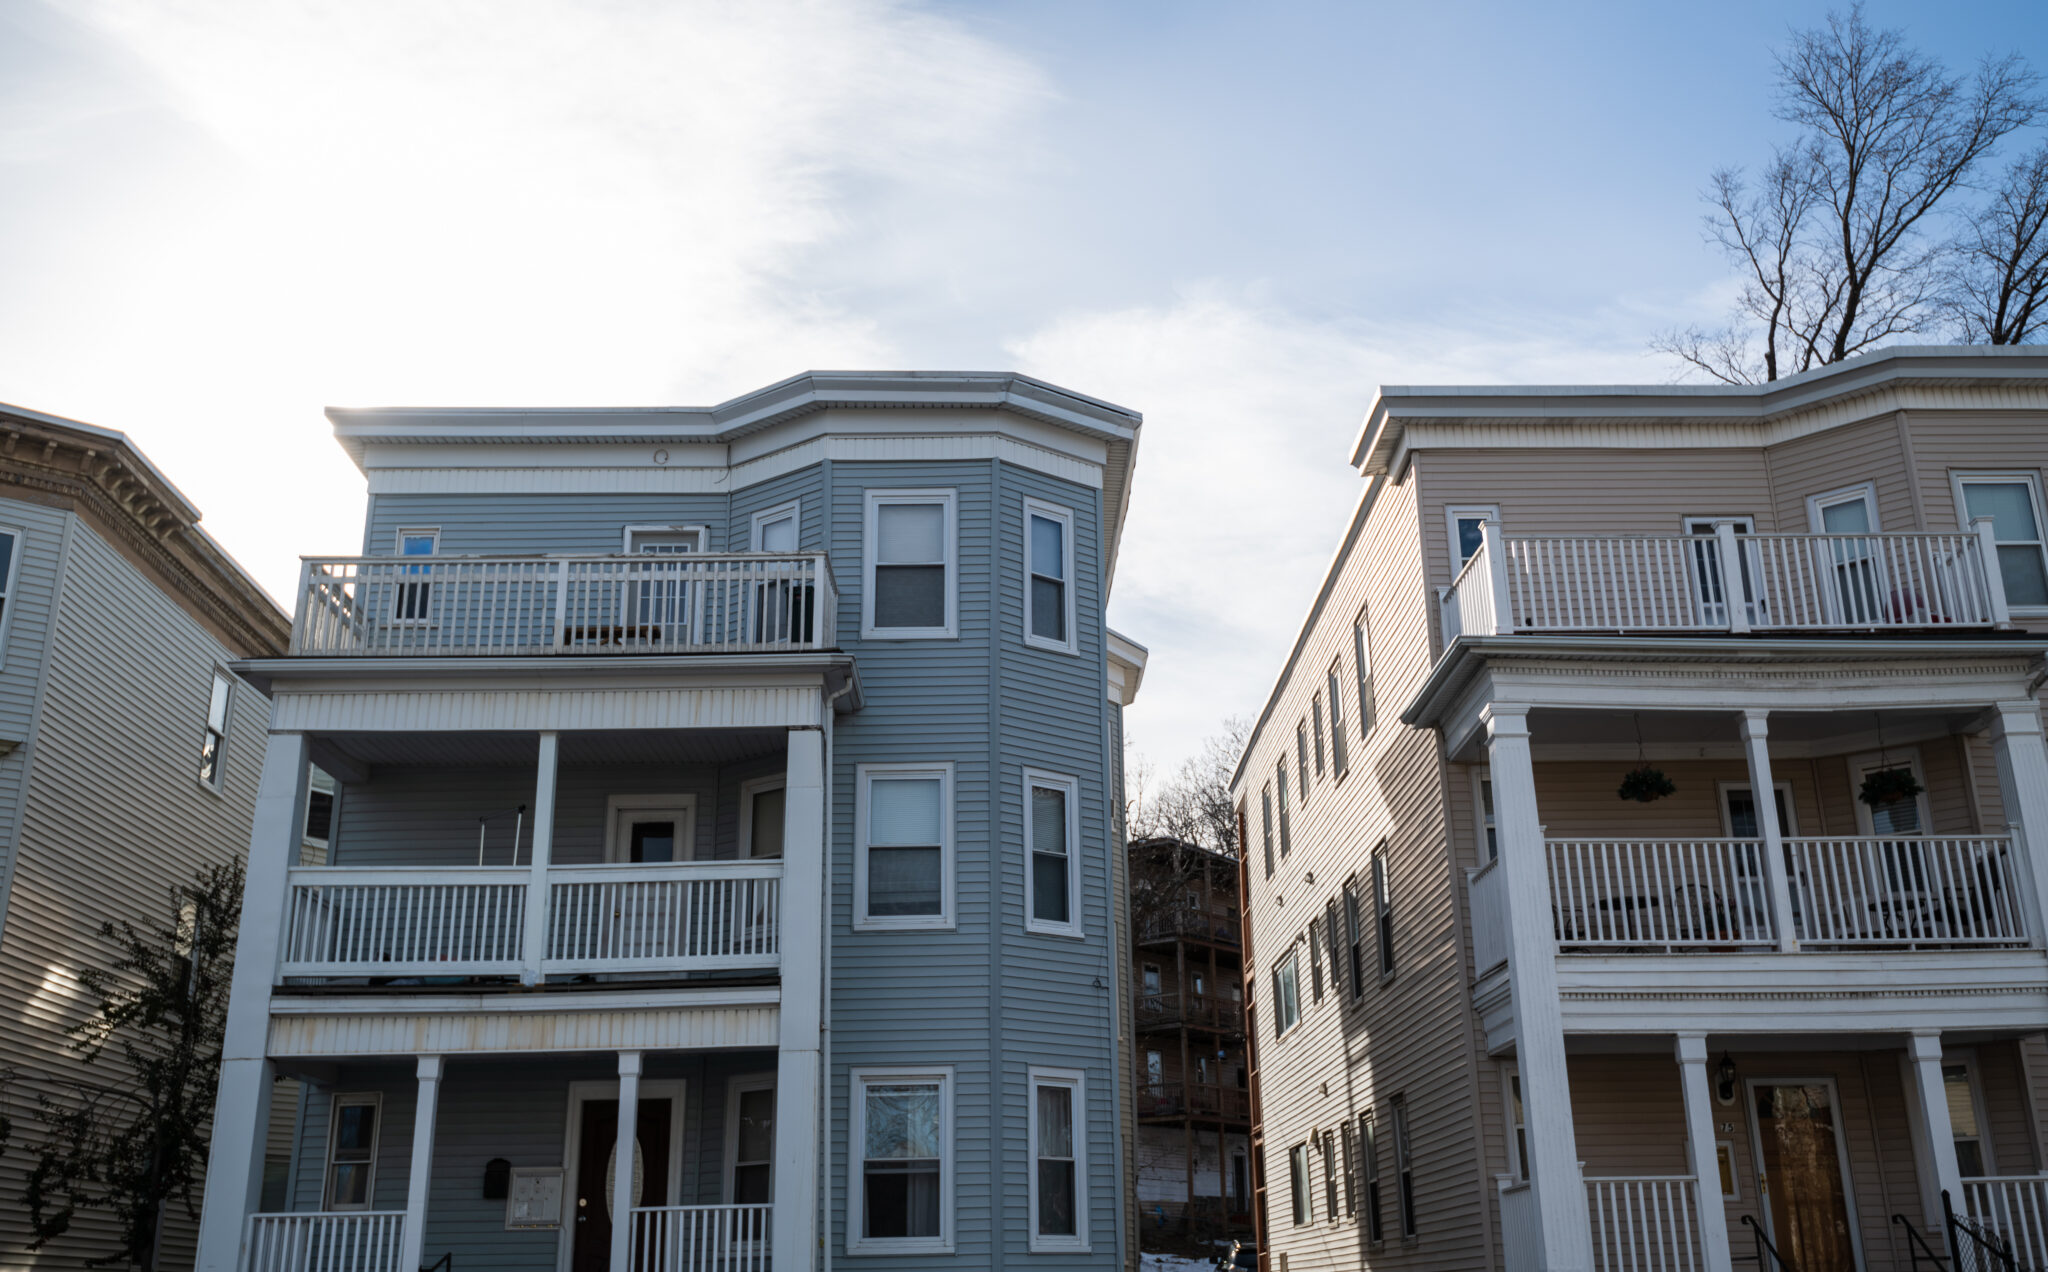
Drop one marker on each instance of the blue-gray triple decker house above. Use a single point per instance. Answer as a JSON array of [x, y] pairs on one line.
[[684, 844]]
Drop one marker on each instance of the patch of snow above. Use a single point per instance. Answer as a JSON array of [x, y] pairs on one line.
[[1173, 1263]]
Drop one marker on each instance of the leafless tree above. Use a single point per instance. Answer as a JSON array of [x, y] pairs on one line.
[[1838, 238], [1194, 803], [2001, 282]]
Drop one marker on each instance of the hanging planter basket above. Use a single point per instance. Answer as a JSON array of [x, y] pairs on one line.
[[1889, 786], [1645, 784]]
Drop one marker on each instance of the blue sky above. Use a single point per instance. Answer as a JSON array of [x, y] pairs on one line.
[[217, 218]]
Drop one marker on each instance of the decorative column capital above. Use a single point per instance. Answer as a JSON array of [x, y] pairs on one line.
[[1755, 723], [430, 1069], [2016, 719], [629, 1064], [1505, 719], [1691, 1048], [1924, 1045]]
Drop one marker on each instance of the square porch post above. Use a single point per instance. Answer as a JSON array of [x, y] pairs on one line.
[[421, 1176], [1756, 745], [1699, 1143], [793, 1225], [1930, 1095], [622, 1161], [241, 1117], [1558, 1186], [2017, 745], [533, 941]]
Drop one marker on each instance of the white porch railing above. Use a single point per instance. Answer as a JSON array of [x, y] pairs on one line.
[[1644, 1223], [1488, 892], [1908, 891], [631, 918], [353, 1241], [740, 602], [470, 921], [1659, 894], [701, 1238], [409, 921], [1782, 582], [2014, 1208]]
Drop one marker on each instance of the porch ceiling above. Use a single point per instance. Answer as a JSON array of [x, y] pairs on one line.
[[609, 746], [1677, 734]]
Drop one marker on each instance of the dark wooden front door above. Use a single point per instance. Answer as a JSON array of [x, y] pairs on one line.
[[597, 1143]]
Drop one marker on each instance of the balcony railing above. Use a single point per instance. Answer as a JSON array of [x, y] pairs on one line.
[[1637, 896], [687, 603], [433, 921], [352, 1241], [2013, 1208], [702, 1238], [1203, 1011], [1684, 583], [1197, 1099], [1219, 926], [1645, 1223]]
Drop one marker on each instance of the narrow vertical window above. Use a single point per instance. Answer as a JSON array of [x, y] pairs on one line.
[[1340, 755], [10, 542], [1467, 527], [1050, 831], [1329, 1177], [762, 806], [1315, 959], [1315, 708], [1383, 910], [1049, 572], [750, 1142], [1962, 1119], [1404, 1168], [1361, 649], [1521, 1135], [1354, 940], [1369, 1160], [1333, 942], [904, 1181], [1059, 1203], [215, 739], [352, 1152], [1301, 758], [1286, 994], [783, 607], [415, 595], [905, 846], [910, 537], [1297, 1180], [1286, 839], [1350, 1168], [1266, 826], [1489, 832]]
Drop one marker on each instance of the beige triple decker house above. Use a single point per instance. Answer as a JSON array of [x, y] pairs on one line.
[[1647, 836]]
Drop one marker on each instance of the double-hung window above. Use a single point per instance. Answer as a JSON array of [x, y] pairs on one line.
[[352, 1151], [1369, 1159], [1051, 831], [902, 1192], [1286, 994], [1315, 707], [750, 1141], [1964, 1124], [1297, 1181], [1361, 650], [1048, 576], [215, 738], [1266, 826], [1354, 940], [1383, 910], [1333, 944], [903, 874], [1350, 1168], [763, 802], [1315, 959], [1059, 1197], [1519, 1142], [415, 595], [1340, 757], [1404, 1169], [1489, 833], [2013, 502], [1301, 757], [912, 550], [1286, 839], [1329, 1177], [10, 554]]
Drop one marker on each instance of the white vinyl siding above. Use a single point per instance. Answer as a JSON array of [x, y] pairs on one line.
[[1052, 872], [900, 1190], [1048, 576], [911, 565], [903, 870], [1059, 1155]]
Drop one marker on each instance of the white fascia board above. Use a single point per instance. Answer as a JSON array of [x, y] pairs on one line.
[[1127, 660], [893, 421], [618, 455]]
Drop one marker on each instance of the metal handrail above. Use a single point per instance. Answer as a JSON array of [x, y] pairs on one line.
[[1917, 1247], [1764, 1246]]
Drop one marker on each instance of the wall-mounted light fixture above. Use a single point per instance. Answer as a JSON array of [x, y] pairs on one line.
[[1724, 1079]]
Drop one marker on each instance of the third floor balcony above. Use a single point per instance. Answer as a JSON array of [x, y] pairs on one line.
[[684, 603]]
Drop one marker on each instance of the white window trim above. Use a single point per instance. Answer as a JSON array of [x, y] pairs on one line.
[[403, 533], [1294, 957], [1340, 749], [1726, 785], [630, 533], [12, 586], [1967, 1058], [1301, 1186], [1890, 757], [1072, 786], [874, 499], [794, 510], [376, 1100], [1452, 512], [1864, 490], [216, 785], [1742, 519], [1518, 1165], [1075, 1081], [735, 1087], [858, 1081], [1481, 775], [748, 790], [864, 774], [617, 848], [672, 1090], [1958, 478], [1065, 516]]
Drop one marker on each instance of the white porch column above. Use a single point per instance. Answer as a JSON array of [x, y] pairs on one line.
[[421, 1177], [1756, 744], [1923, 1051], [533, 946], [2023, 784], [1699, 1143], [797, 1118], [622, 1161], [1554, 1177], [241, 1116]]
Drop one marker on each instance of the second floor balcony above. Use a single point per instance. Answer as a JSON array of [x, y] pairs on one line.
[[1684, 584], [683, 603]]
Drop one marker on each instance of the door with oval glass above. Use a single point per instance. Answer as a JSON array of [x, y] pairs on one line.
[[596, 1171], [1802, 1173]]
